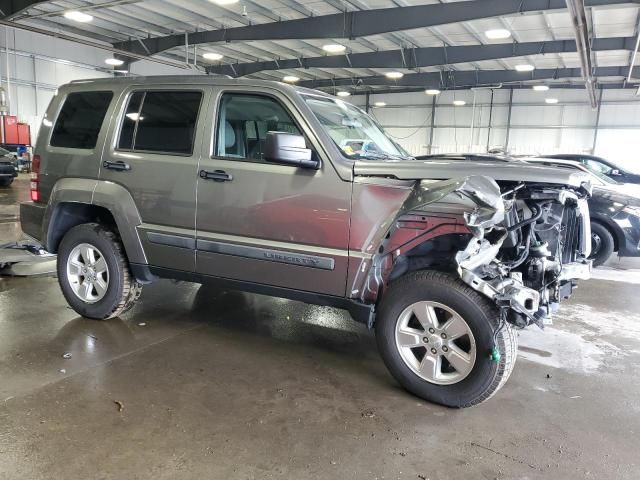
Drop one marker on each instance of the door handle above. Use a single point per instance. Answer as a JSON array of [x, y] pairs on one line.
[[216, 175], [119, 166]]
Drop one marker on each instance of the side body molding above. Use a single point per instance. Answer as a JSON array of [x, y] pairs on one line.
[[111, 196]]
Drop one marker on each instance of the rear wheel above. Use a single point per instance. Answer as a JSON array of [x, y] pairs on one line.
[[94, 274], [602, 244], [436, 337]]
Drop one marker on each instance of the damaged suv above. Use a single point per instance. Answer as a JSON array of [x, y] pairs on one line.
[[269, 188]]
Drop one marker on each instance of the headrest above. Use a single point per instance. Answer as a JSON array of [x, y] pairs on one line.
[[229, 136]]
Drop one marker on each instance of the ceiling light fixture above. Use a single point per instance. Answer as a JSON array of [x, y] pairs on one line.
[[497, 34], [459, 103], [432, 91], [551, 101], [394, 75], [78, 16], [540, 88], [290, 79], [116, 62], [525, 67], [334, 48], [343, 93], [224, 2], [214, 57], [380, 104]]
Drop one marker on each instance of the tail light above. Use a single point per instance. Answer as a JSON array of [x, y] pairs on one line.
[[35, 179]]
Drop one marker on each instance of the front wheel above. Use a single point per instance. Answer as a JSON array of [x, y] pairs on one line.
[[5, 182], [602, 244], [436, 337], [94, 274]]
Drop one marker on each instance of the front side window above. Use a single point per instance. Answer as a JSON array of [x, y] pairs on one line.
[[80, 120], [243, 123], [161, 121], [353, 131]]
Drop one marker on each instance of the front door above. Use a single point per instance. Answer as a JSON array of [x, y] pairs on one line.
[[153, 153], [267, 223]]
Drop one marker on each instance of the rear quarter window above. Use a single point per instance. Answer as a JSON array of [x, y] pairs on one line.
[[80, 120]]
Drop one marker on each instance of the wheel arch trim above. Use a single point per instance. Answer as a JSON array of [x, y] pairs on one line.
[[108, 195]]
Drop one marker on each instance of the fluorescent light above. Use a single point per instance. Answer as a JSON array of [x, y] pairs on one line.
[[78, 16], [224, 2], [290, 79], [116, 62], [551, 101], [215, 57], [525, 67], [497, 34], [380, 104], [394, 75], [334, 48], [432, 91], [343, 93], [541, 88], [134, 116], [459, 103]]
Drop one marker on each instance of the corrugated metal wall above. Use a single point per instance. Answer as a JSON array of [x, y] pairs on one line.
[[36, 71], [535, 127]]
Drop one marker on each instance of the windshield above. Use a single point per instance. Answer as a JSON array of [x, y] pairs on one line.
[[353, 131]]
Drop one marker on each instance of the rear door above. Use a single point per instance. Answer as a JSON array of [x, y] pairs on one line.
[[268, 223], [153, 152]]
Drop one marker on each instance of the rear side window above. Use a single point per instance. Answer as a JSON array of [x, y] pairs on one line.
[[161, 121], [79, 122]]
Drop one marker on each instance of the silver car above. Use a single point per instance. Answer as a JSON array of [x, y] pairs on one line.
[[269, 188]]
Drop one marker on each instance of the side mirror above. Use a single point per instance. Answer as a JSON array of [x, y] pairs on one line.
[[615, 172], [289, 149]]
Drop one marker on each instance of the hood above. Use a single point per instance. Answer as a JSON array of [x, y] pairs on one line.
[[456, 169]]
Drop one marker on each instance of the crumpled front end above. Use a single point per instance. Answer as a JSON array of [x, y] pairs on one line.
[[523, 245], [529, 245]]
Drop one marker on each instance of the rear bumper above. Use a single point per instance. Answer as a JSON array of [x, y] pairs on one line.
[[31, 219]]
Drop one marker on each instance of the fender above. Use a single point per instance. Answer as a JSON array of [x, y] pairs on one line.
[[111, 196], [424, 211]]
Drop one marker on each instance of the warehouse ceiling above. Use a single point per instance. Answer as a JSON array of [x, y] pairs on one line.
[[434, 44]]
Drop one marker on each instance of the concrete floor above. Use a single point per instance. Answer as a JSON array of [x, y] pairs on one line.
[[230, 385]]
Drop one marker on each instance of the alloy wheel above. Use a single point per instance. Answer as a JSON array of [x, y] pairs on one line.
[[88, 273], [435, 342]]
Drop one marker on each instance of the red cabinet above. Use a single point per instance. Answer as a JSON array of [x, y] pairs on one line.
[[15, 133], [24, 134]]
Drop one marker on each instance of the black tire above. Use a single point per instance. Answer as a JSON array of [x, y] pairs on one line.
[[482, 317], [5, 182], [602, 244], [122, 291]]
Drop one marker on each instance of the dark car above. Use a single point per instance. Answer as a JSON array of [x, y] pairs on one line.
[[599, 165], [7, 168], [615, 214]]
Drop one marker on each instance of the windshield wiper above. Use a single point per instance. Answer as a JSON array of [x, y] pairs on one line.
[[382, 156]]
